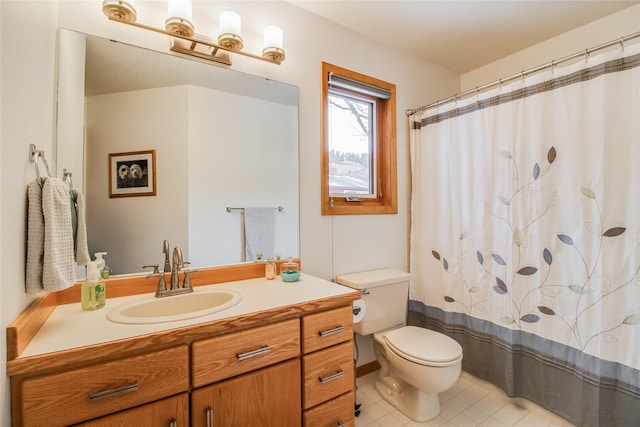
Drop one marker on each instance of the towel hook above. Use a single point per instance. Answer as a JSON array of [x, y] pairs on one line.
[[36, 154], [67, 177]]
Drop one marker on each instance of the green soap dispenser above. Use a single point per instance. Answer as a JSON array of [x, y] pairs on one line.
[[93, 293]]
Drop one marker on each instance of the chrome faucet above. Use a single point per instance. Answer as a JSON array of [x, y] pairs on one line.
[[165, 251], [177, 265]]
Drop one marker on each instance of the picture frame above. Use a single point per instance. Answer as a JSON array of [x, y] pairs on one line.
[[132, 174]]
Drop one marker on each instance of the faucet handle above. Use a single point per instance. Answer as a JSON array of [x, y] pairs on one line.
[[162, 285], [155, 269]]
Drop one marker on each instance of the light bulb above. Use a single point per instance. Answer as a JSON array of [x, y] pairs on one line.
[[179, 20], [272, 36], [180, 9], [230, 30], [273, 43]]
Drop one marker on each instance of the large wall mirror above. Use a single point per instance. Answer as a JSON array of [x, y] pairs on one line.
[[220, 138]]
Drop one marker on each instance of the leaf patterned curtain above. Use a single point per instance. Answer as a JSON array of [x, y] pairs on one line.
[[526, 208]]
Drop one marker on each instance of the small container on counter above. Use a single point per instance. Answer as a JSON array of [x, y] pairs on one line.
[[290, 271], [270, 269]]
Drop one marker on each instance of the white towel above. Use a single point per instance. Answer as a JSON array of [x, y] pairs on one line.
[[59, 271], [259, 232], [35, 238], [79, 228], [57, 263]]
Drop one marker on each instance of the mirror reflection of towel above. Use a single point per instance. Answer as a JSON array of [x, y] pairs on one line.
[[259, 231]]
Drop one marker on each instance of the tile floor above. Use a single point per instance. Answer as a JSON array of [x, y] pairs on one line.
[[471, 402]]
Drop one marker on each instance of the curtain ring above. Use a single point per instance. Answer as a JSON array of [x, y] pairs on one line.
[[622, 43], [586, 54]]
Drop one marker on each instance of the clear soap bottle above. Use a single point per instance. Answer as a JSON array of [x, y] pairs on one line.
[[270, 269], [93, 293]]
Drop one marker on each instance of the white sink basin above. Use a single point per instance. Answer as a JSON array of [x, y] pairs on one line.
[[171, 309]]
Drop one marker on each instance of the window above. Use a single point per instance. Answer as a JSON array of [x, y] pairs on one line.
[[358, 144]]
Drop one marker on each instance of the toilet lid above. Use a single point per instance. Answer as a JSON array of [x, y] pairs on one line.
[[423, 345]]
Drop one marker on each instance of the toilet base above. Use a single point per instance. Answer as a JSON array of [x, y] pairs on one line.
[[414, 403]]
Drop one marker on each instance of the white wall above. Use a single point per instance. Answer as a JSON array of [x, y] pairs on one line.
[[610, 28], [249, 142], [119, 123], [27, 76], [70, 111]]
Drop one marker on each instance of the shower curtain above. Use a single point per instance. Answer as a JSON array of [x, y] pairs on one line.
[[525, 235]]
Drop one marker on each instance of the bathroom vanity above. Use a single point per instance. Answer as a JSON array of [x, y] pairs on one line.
[[282, 356]]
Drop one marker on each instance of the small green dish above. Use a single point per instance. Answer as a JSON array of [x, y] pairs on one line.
[[290, 275]]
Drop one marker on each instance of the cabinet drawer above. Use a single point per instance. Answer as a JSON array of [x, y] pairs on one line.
[[229, 355], [336, 412], [327, 328], [90, 392], [327, 374], [172, 411]]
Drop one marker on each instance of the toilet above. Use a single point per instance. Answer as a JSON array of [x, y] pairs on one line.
[[416, 363]]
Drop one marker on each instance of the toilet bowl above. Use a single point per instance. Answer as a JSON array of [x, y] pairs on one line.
[[416, 363]]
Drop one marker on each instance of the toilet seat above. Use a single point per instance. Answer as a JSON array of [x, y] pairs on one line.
[[423, 346]]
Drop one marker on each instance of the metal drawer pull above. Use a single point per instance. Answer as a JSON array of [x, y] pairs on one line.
[[173, 423], [333, 331], [332, 377], [115, 392], [209, 416], [253, 353]]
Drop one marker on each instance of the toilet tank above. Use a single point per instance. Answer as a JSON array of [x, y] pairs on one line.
[[385, 294]]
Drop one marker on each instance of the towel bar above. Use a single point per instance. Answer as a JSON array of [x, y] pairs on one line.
[[36, 154], [230, 209]]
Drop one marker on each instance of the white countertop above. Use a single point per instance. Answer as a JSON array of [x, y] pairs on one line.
[[70, 327]]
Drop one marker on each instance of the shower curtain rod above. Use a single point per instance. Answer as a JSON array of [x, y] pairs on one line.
[[523, 74]]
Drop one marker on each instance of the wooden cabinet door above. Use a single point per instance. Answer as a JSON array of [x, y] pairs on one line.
[[169, 412], [263, 398]]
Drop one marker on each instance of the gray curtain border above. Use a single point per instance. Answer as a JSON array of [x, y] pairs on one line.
[[613, 66], [581, 388]]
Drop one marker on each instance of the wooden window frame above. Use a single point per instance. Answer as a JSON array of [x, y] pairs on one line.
[[386, 201]]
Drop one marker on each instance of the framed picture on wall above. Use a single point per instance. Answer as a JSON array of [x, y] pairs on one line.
[[132, 174]]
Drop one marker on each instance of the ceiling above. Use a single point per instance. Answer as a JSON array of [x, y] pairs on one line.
[[462, 35]]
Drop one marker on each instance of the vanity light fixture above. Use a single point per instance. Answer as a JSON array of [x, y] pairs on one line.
[[184, 39]]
